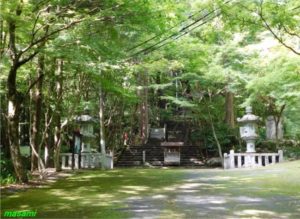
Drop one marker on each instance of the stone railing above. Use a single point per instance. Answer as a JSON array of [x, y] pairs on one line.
[[87, 160], [90, 160], [66, 161], [108, 161], [244, 160]]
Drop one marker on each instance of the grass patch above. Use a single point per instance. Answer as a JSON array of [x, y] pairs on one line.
[[268, 192], [92, 194]]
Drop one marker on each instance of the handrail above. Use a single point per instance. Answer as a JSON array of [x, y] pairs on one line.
[[244, 160]]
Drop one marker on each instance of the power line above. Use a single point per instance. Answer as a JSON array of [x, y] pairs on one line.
[[160, 34], [184, 33], [182, 30], [173, 34]]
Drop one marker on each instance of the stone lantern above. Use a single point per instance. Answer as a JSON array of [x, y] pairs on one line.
[[86, 130], [248, 127]]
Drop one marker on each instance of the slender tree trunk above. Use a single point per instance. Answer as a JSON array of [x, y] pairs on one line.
[[58, 129], [36, 120], [229, 109], [214, 133], [101, 122], [143, 93], [4, 141], [48, 153], [277, 119], [216, 137]]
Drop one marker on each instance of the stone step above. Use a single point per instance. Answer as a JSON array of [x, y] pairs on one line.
[[133, 156]]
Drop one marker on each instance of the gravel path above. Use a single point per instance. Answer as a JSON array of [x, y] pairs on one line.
[[217, 194]]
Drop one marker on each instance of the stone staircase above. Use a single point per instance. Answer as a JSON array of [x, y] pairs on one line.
[[191, 156], [154, 154]]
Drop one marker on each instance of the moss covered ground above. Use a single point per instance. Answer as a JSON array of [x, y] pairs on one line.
[[269, 192]]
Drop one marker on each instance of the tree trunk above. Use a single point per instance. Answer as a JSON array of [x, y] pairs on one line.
[[101, 122], [58, 130], [15, 100], [277, 119], [229, 109], [4, 141], [143, 107], [216, 137], [214, 132], [14, 103], [48, 153], [36, 120]]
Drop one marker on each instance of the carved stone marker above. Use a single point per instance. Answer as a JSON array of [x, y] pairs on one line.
[[271, 128], [158, 133]]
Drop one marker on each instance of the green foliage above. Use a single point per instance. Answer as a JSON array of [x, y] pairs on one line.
[[189, 75], [7, 171], [178, 102], [291, 148]]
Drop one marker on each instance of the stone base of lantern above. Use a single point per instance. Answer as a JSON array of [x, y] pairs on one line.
[[250, 146]]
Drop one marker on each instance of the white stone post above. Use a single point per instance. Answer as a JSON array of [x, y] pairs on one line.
[[259, 160], [92, 160], [280, 152], [70, 161], [63, 162], [89, 160], [245, 160], [112, 162], [225, 161], [82, 161], [231, 159], [266, 160], [75, 161], [239, 161], [273, 159], [253, 162], [144, 156]]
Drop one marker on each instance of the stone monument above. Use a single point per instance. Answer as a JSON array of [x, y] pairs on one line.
[[86, 130], [271, 128]]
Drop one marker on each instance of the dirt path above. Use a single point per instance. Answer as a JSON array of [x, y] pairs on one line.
[[219, 194]]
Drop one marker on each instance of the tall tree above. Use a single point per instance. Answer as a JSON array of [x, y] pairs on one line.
[[58, 112], [37, 96]]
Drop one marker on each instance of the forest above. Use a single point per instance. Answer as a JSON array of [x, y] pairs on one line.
[[188, 66]]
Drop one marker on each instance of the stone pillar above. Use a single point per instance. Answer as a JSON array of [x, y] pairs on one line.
[[63, 162], [76, 161], [280, 152], [247, 160], [239, 161], [253, 162], [271, 128], [259, 160], [226, 161], [273, 159], [231, 159], [266, 160], [144, 156]]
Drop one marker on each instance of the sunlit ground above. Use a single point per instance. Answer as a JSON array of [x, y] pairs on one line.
[[272, 192]]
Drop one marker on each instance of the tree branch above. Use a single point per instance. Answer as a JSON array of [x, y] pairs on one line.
[[34, 83], [290, 33], [25, 60], [268, 27], [47, 36]]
